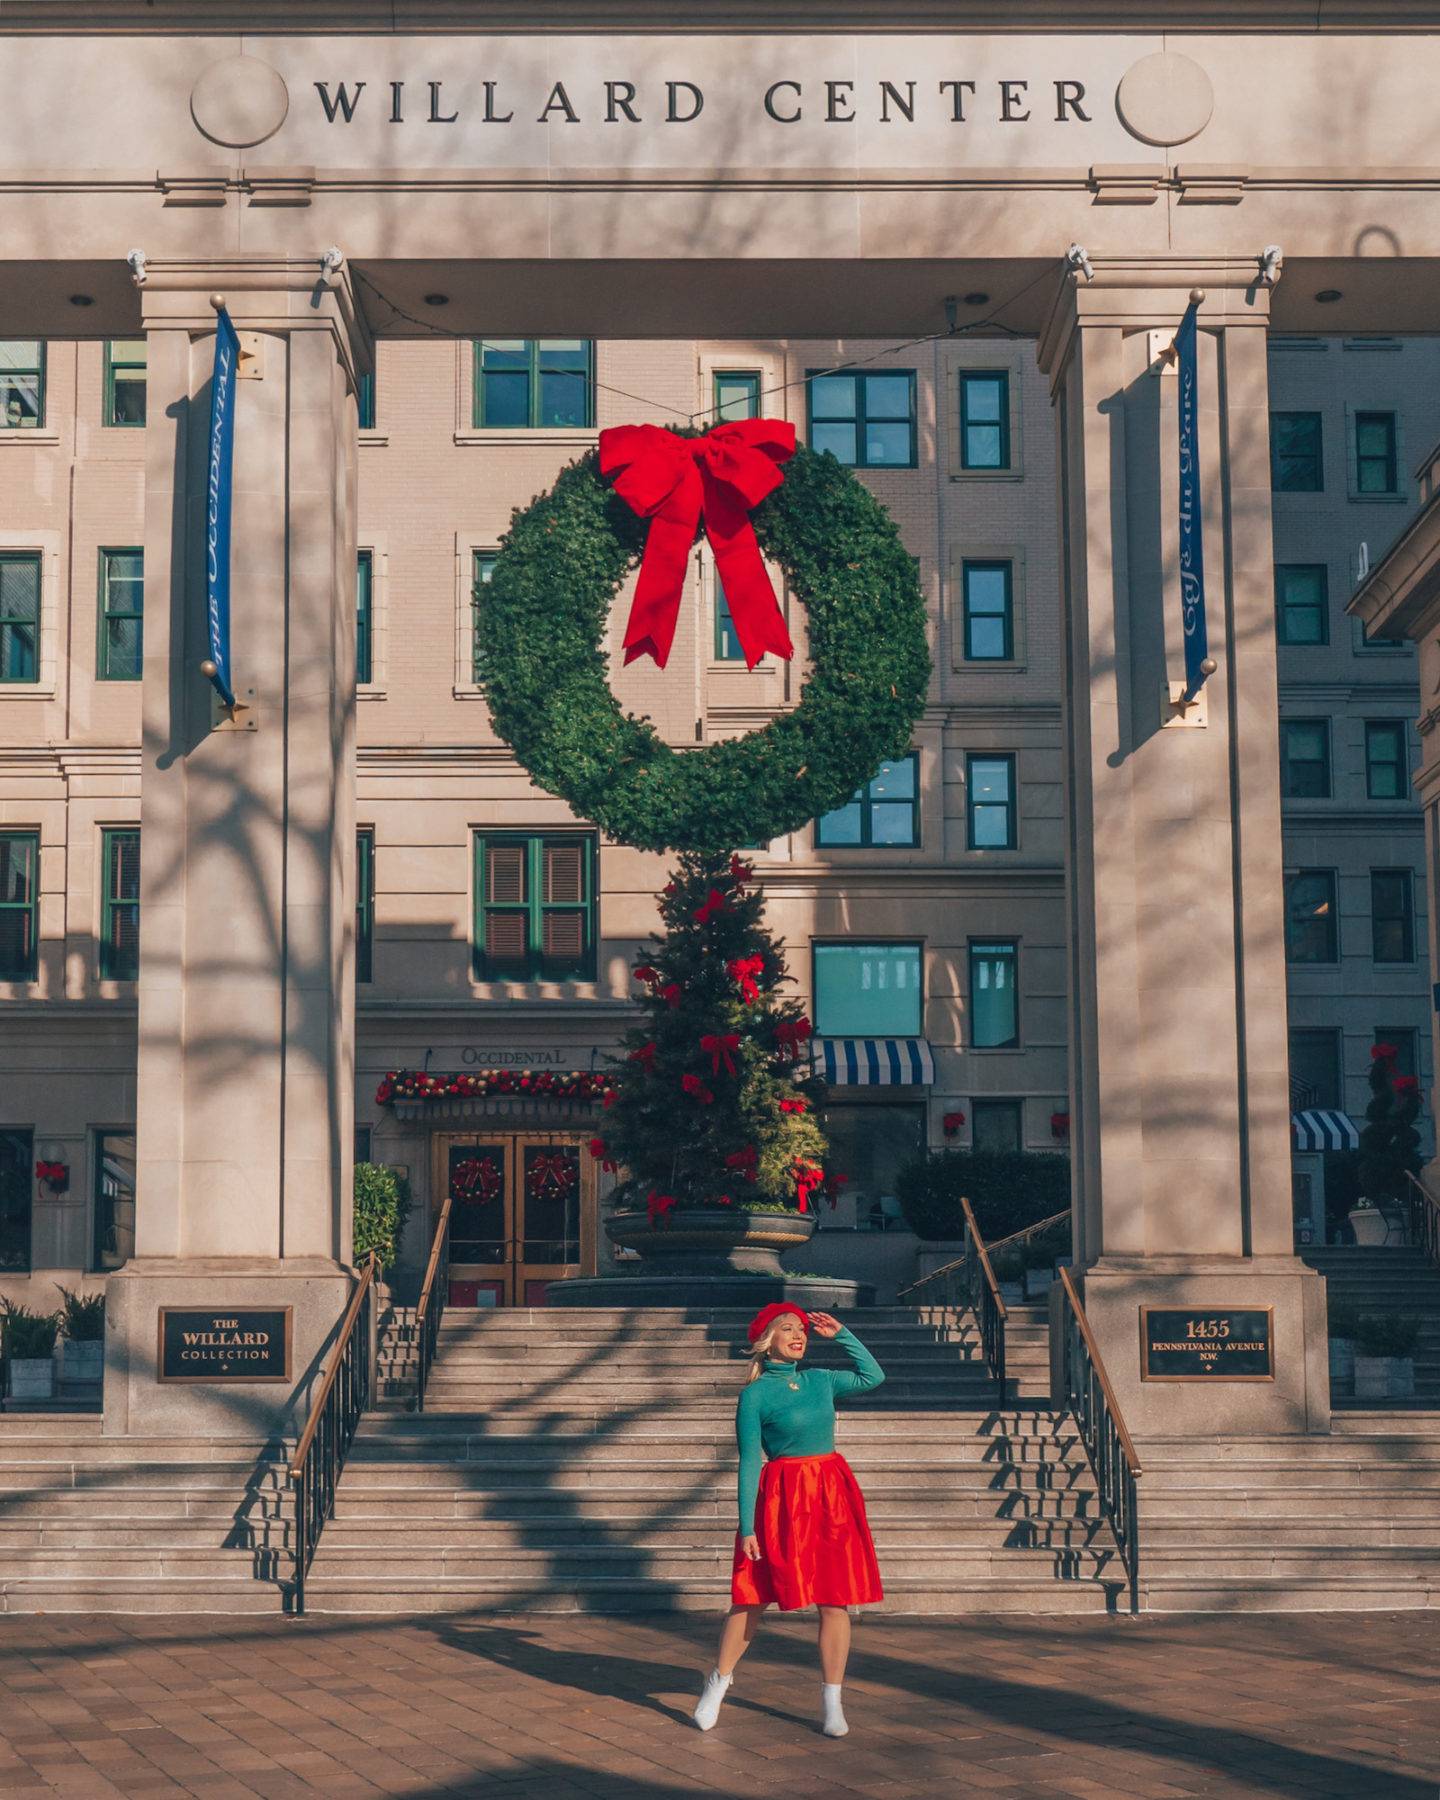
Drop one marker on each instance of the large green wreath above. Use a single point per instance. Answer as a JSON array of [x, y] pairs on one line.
[[542, 622]]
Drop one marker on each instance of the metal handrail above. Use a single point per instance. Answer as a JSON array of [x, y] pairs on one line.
[[1108, 1444], [978, 1289], [330, 1429], [434, 1291], [1424, 1218], [1004, 1243]]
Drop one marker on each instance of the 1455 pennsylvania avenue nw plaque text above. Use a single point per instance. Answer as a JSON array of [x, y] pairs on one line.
[[1213, 1343]]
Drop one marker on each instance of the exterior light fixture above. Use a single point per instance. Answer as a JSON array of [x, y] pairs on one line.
[[977, 299], [1328, 296]]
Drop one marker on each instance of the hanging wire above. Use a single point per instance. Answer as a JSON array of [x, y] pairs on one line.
[[991, 319]]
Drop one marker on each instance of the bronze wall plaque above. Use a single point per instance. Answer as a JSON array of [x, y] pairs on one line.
[[224, 1343], [1207, 1343]]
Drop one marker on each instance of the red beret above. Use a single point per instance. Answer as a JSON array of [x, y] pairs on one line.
[[767, 1315]]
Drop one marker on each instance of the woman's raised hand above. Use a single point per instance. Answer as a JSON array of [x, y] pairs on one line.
[[824, 1323]]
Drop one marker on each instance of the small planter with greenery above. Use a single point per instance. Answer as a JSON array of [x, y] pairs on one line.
[[30, 1351], [82, 1350], [1385, 1356], [382, 1209]]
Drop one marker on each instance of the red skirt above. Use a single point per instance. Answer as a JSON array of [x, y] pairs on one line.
[[815, 1544]]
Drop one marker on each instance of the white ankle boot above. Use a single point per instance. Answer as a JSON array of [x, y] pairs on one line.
[[715, 1689], [833, 1724]]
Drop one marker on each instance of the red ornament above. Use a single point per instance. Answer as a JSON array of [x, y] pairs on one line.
[[676, 482], [793, 1106], [718, 1047], [747, 970], [696, 1088], [951, 1124], [714, 902]]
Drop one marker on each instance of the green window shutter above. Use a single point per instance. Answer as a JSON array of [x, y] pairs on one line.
[[534, 907], [19, 905], [365, 616]]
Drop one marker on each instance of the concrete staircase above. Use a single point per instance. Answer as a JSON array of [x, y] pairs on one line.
[[584, 1461], [1027, 1350], [152, 1525], [1388, 1279], [1294, 1524]]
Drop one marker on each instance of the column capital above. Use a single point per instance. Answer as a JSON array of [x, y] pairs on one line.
[[262, 293], [1136, 293]]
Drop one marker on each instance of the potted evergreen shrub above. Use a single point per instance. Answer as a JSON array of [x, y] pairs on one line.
[[382, 1209], [30, 1350], [1385, 1357], [82, 1348], [1389, 1145], [1344, 1324]]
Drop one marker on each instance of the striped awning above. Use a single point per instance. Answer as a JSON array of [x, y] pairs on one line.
[[874, 1062], [1319, 1129]]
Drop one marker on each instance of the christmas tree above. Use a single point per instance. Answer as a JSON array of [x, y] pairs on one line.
[[716, 1103], [1389, 1144]]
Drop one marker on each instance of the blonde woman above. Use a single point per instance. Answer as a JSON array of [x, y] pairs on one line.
[[804, 1539]]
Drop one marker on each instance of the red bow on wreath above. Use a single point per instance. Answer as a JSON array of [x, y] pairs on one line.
[[717, 1047], [747, 971], [790, 1034], [660, 1206], [547, 1171], [676, 482], [475, 1175]]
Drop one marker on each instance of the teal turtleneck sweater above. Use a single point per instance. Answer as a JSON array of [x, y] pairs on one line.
[[790, 1411]]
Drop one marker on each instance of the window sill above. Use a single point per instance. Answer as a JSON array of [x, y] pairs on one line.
[[993, 1050], [1358, 499], [368, 692], [26, 690], [989, 665], [1017, 474], [532, 434], [12, 435], [374, 437], [468, 693]]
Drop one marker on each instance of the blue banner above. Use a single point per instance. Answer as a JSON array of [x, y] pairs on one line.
[[220, 460], [1192, 536]]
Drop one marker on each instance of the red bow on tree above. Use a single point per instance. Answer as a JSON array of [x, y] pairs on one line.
[[714, 902], [644, 972], [744, 1161], [660, 1206], [692, 1084], [600, 1150], [716, 1047], [671, 994], [645, 1056], [676, 482], [741, 872], [747, 971], [792, 1106], [790, 1034], [807, 1179]]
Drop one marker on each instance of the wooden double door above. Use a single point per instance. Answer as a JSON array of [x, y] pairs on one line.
[[523, 1214]]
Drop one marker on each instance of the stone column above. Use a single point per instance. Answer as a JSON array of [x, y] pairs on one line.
[[245, 1079], [1179, 1077]]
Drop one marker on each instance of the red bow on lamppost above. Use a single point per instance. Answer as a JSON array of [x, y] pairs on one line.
[[675, 482]]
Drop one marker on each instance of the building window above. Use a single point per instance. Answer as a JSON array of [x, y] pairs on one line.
[[482, 568], [365, 402], [1387, 773], [1401, 1039], [362, 1143], [1310, 917], [1375, 471], [114, 1197], [17, 1188], [885, 812], [19, 905], [1302, 603], [122, 614], [989, 597], [984, 419], [1392, 915], [534, 382], [1315, 1070], [869, 1145], [125, 381], [1296, 460], [994, 1005], [997, 1125], [864, 421], [990, 802], [365, 616], [727, 641], [869, 990], [19, 616], [736, 394], [120, 905], [1305, 759], [22, 383], [364, 905], [534, 908]]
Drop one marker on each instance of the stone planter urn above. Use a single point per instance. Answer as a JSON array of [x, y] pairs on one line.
[[82, 1359], [32, 1378], [712, 1240], [1384, 1378], [1369, 1225]]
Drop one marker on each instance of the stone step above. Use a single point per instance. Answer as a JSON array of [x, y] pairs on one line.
[[373, 1507], [230, 1595], [159, 1563], [1377, 1591], [27, 1476], [1319, 1537], [658, 1479], [699, 1449], [160, 1535], [934, 1596], [643, 1532]]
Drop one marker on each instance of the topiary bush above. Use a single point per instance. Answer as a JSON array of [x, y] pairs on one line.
[[1008, 1189], [382, 1207]]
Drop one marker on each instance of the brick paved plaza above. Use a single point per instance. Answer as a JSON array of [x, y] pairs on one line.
[[563, 1709]]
